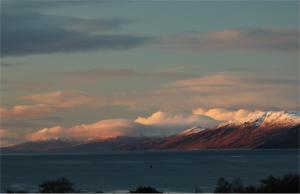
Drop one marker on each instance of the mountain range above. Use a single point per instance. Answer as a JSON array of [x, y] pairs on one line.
[[262, 130]]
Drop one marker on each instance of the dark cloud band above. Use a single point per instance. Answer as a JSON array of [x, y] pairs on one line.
[[27, 31]]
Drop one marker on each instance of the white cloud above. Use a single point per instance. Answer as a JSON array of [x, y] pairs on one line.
[[222, 114], [161, 118]]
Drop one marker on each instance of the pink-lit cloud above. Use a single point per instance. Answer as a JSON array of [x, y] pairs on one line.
[[25, 111], [7, 137], [157, 124], [216, 90], [222, 114], [45, 104], [47, 133], [60, 99], [224, 90], [99, 130]]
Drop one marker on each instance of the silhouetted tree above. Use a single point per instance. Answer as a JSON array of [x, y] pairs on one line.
[[223, 186], [61, 185], [237, 186], [286, 184], [146, 189]]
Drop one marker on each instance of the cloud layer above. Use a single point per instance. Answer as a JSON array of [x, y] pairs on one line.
[[222, 114], [246, 39], [25, 111], [60, 99], [21, 34], [45, 104], [225, 90], [9, 138], [220, 90], [158, 124], [161, 118]]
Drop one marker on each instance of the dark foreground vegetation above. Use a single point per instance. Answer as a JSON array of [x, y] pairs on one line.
[[286, 184], [146, 189]]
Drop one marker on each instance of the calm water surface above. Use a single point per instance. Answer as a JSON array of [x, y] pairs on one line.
[[167, 170]]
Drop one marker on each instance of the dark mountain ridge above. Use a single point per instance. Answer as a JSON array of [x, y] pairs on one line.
[[265, 130]]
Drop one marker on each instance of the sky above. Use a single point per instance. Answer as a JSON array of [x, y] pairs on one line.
[[102, 69]]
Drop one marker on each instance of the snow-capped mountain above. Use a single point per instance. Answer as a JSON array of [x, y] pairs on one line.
[[272, 129], [267, 119]]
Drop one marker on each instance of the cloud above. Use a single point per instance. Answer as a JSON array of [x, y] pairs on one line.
[[25, 111], [222, 114], [46, 133], [45, 104], [222, 89], [158, 124], [70, 99], [233, 91], [99, 130], [6, 64], [3, 141], [3, 132], [13, 85], [7, 137], [21, 36], [228, 91], [161, 118], [94, 75], [245, 39], [59, 99]]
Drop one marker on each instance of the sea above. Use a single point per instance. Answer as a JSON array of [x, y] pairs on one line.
[[168, 171]]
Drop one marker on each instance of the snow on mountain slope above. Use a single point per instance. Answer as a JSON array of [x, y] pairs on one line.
[[267, 119], [192, 130], [256, 119], [281, 118], [270, 129]]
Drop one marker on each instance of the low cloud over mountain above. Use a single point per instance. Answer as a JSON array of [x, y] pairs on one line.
[[160, 124], [271, 129]]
